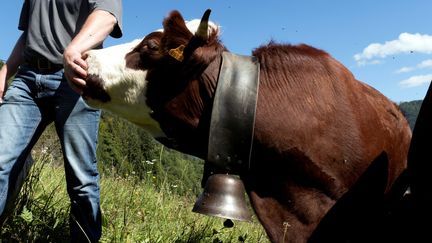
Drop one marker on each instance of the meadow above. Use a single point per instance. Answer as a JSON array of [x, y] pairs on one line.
[[151, 205]]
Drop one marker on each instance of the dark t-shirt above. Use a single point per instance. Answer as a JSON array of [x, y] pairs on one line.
[[50, 25]]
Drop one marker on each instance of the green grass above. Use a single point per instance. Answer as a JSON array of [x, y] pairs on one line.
[[149, 209]]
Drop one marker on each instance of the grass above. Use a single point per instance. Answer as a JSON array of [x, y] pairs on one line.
[[134, 210]]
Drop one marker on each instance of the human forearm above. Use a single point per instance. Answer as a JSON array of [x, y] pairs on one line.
[[15, 59], [9, 68], [96, 28]]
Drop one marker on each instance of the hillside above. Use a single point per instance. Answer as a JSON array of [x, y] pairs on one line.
[[410, 110]]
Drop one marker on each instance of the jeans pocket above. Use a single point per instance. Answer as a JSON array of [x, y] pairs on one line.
[[19, 91]]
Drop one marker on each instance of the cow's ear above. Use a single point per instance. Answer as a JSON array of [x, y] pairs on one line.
[[175, 27], [178, 41], [175, 32], [173, 19]]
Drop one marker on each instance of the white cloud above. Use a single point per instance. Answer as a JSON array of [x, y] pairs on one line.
[[369, 62], [415, 81], [406, 43], [405, 69], [424, 64]]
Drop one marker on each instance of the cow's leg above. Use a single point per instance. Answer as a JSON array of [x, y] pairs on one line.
[[293, 217], [294, 212], [288, 203], [289, 193], [359, 215]]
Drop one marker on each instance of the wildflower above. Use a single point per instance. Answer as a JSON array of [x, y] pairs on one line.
[[44, 150], [149, 162]]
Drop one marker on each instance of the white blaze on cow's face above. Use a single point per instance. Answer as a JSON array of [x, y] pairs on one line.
[[125, 87]]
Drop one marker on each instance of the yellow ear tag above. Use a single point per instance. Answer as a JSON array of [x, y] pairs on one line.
[[177, 53]]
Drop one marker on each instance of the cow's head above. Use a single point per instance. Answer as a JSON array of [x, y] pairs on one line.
[[157, 83]]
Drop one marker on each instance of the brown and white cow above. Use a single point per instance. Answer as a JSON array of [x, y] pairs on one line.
[[317, 128]]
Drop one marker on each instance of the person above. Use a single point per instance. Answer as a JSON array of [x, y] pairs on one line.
[[49, 62]]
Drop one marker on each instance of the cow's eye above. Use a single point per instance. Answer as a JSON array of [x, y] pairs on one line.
[[152, 45]]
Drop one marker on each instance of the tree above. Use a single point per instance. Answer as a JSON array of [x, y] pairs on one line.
[[127, 149], [410, 110]]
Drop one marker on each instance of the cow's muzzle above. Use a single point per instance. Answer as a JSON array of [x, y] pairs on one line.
[[94, 89]]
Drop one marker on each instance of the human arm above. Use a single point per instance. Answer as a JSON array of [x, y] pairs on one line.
[[97, 27], [9, 68]]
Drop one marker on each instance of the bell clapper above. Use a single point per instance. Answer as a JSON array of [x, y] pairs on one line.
[[228, 223]]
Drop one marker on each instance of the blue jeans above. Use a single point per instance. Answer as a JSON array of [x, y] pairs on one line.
[[33, 101]]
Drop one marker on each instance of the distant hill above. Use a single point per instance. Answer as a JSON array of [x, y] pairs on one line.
[[410, 110]]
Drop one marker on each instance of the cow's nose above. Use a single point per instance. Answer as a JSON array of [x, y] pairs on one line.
[[88, 55], [85, 56], [93, 64]]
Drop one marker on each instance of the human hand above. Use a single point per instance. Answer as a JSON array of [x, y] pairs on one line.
[[3, 87], [75, 68], [3, 82]]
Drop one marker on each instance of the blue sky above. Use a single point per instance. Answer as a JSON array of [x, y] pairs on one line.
[[385, 43]]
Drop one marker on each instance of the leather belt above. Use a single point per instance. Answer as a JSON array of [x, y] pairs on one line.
[[233, 115], [43, 65]]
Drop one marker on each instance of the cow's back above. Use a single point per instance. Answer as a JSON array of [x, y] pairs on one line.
[[317, 130]]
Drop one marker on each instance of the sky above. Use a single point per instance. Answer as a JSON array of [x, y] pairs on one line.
[[384, 43]]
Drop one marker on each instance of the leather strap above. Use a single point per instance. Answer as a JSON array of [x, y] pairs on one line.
[[233, 115], [42, 64]]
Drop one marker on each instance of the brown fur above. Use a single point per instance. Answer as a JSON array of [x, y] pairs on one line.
[[317, 127]]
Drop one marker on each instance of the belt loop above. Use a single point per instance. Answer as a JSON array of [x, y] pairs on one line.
[[43, 64]]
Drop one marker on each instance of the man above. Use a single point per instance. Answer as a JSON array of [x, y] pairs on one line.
[[56, 34]]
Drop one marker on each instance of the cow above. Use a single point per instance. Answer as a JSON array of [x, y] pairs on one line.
[[317, 129]]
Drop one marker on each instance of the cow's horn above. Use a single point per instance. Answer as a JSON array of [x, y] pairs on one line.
[[202, 31]]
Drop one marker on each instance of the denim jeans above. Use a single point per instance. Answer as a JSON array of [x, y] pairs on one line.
[[33, 101]]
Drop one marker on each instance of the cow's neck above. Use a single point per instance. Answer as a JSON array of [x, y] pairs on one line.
[[193, 107], [207, 83], [209, 78]]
